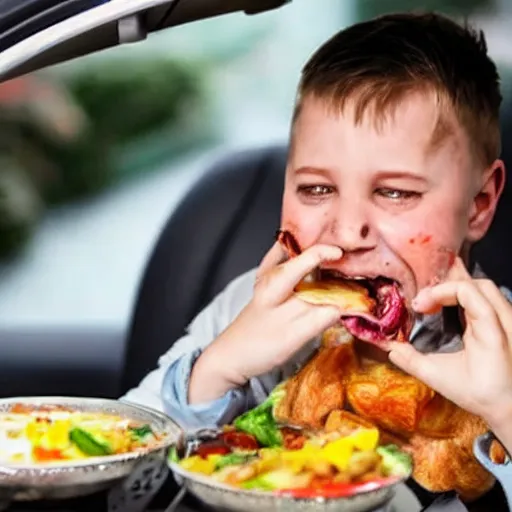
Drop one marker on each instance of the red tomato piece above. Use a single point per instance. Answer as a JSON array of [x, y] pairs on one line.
[[43, 455], [337, 490], [292, 439], [240, 440], [212, 448]]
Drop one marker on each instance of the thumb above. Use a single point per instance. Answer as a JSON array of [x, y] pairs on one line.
[[419, 365]]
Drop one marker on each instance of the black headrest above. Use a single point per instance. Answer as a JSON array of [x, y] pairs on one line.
[[222, 228]]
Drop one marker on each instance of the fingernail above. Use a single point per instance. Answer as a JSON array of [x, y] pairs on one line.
[[420, 296], [338, 251]]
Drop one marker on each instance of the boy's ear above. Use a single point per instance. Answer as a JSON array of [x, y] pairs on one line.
[[486, 200]]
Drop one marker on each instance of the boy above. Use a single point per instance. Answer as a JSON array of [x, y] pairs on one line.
[[393, 165]]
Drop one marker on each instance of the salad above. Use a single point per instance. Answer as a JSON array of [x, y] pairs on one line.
[[256, 453], [50, 433]]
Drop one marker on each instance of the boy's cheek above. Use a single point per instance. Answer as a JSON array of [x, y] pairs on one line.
[[428, 255], [307, 225], [428, 248]]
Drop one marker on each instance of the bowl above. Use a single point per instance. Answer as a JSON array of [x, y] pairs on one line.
[[70, 479], [224, 497]]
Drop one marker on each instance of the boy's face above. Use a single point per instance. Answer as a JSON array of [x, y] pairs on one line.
[[397, 205]]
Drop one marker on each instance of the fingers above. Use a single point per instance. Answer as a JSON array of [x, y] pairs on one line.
[[498, 301], [435, 297], [308, 320], [480, 313], [274, 257], [457, 272], [421, 366], [278, 284]]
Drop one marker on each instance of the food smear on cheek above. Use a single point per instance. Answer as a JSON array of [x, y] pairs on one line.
[[429, 259], [420, 240]]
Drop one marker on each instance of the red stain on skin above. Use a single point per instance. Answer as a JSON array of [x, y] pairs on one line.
[[289, 241], [422, 239], [443, 263]]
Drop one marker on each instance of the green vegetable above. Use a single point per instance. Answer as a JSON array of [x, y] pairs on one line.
[[140, 433], [277, 479], [257, 483], [173, 455], [395, 462], [89, 444], [277, 394], [260, 422], [233, 459]]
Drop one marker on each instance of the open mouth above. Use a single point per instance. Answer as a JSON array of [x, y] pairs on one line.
[[387, 316], [372, 308]]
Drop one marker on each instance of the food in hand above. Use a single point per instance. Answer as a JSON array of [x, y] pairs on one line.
[[371, 309], [32, 434]]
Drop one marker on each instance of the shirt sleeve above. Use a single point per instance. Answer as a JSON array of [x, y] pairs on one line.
[[210, 414], [166, 388]]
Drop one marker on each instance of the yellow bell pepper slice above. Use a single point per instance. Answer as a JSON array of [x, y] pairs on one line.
[[366, 439], [338, 453], [56, 436], [197, 464]]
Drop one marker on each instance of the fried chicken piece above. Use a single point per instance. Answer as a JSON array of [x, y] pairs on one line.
[[319, 386], [346, 422], [438, 418], [388, 397], [447, 464]]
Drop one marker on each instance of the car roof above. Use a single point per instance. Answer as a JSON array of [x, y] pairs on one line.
[[35, 34]]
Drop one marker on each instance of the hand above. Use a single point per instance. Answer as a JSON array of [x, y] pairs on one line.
[[479, 377], [269, 330]]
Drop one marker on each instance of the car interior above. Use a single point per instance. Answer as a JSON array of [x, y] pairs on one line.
[[107, 363], [222, 228]]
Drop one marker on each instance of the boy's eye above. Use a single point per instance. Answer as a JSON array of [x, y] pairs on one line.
[[315, 190], [396, 194]]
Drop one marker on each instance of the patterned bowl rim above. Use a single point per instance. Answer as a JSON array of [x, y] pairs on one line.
[[206, 481], [166, 427]]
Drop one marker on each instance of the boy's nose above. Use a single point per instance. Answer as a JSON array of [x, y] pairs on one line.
[[352, 230]]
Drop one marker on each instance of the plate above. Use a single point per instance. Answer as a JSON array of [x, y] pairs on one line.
[[68, 479]]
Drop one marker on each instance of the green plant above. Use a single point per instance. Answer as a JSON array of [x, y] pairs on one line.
[[61, 141], [127, 100]]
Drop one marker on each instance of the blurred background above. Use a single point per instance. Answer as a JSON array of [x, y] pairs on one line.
[[96, 153]]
